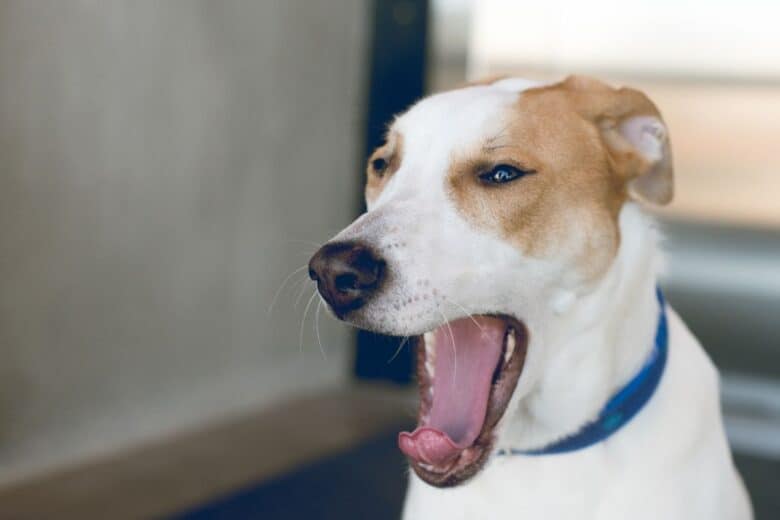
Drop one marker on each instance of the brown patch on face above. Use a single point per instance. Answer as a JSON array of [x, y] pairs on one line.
[[382, 164], [569, 206]]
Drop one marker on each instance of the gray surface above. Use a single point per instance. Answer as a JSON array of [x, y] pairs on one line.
[[160, 163], [725, 283], [369, 481]]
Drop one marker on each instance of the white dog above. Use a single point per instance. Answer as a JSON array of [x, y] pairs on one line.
[[504, 233]]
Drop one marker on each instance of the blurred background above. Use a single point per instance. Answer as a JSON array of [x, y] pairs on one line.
[[167, 168]]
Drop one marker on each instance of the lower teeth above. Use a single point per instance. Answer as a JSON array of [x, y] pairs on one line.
[[510, 345], [430, 352]]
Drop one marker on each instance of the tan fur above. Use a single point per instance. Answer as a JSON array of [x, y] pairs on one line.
[[563, 132], [392, 153]]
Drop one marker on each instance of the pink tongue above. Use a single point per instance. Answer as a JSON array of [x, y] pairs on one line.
[[467, 353]]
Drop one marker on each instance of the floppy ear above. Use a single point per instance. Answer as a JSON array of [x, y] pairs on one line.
[[652, 179], [635, 136]]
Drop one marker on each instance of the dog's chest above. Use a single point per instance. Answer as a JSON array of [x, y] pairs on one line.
[[516, 487]]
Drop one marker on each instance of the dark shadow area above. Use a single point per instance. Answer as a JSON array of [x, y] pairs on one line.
[[366, 482], [369, 481], [721, 280], [762, 478], [396, 80]]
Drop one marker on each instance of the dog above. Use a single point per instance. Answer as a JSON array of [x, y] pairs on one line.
[[505, 234]]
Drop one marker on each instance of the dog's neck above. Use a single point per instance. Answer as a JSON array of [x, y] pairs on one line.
[[593, 346]]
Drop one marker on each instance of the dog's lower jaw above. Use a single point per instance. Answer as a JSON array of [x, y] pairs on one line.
[[455, 435]]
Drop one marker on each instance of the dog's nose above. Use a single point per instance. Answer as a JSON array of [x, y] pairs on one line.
[[347, 274]]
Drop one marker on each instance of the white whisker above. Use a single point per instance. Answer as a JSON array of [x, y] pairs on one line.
[[279, 290], [317, 327], [454, 349], [468, 315], [303, 321], [398, 350], [310, 242], [303, 284]]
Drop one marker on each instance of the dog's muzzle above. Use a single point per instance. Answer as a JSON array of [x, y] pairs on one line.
[[348, 274]]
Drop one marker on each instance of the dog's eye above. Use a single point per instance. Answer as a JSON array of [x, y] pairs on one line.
[[379, 166], [503, 173]]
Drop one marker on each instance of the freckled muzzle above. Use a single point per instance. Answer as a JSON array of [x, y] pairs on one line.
[[348, 275]]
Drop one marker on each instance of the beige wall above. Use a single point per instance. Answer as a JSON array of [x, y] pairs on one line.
[[160, 165]]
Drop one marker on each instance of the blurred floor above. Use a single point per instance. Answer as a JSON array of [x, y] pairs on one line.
[[333, 455], [369, 482], [179, 473]]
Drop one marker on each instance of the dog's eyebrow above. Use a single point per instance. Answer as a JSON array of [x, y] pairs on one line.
[[498, 147], [498, 135]]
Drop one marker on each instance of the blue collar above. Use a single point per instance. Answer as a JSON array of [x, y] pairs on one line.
[[624, 405]]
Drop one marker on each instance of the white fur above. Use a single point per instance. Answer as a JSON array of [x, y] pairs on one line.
[[672, 461]]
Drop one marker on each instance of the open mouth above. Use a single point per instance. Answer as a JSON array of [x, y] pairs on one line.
[[467, 371]]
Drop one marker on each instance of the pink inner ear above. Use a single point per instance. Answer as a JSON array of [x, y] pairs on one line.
[[647, 134]]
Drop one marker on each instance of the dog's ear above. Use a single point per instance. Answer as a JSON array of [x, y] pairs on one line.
[[635, 136]]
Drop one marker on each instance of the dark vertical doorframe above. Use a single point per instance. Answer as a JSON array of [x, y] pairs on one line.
[[397, 67]]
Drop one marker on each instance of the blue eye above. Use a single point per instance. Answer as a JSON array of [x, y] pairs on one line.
[[503, 173]]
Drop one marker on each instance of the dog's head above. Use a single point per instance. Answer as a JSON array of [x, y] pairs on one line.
[[488, 207]]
